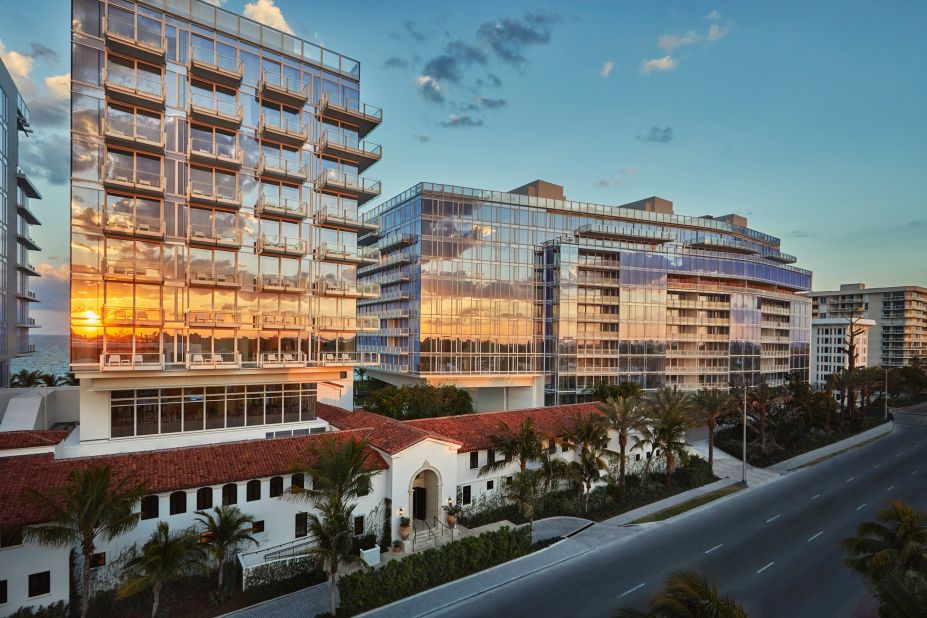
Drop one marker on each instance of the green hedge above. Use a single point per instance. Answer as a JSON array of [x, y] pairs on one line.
[[365, 590]]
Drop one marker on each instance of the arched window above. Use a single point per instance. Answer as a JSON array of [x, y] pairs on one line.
[[253, 491], [276, 486], [203, 498], [229, 494], [149, 507], [178, 502], [298, 480]]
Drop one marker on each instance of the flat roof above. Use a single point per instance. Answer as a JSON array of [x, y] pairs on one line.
[[863, 291]]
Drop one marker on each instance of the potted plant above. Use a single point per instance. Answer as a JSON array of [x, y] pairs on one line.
[[453, 512], [397, 546], [405, 527]]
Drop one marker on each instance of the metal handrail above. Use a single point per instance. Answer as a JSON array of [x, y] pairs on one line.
[[431, 533]]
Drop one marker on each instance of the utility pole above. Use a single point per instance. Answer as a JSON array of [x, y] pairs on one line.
[[885, 394]]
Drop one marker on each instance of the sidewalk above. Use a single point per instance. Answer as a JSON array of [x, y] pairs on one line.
[[831, 449], [731, 467]]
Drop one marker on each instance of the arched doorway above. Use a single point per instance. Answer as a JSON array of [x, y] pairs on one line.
[[425, 495]]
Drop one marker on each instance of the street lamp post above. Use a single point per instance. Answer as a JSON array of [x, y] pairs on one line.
[[885, 394], [744, 479]]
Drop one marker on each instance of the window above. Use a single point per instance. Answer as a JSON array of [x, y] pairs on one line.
[[302, 524], [39, 583], [257, 526], [474, 460], [149, 507], [253, 491], [552, 447], [178, 502], [276, 486], [508, 480], [359, 525], [298, 480], [564, 448], [490, 485], [637, 457], [490, 456], [97, 560], [3, 593], [203, 498], [466, 494], [229, 494]]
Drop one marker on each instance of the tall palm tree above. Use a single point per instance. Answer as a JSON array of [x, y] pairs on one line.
[[91, 507], [588, 439], [902, 595], [762, 398], [524, 445], [710, 405], [165, 557], [227, 529], [551, 470], [896, 541], [26, 379], [523, 491], [626, 415], [669, 414], [690, 595], [331, 531]]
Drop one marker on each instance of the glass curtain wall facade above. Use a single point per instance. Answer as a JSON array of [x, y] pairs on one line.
[[16, 217], [477, 282], [216, 181]]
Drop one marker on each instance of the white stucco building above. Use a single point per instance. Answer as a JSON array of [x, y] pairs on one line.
[[829, 341]]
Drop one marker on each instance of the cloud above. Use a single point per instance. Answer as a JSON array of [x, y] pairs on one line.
[[669, 42], [802, 234], [395, 62], [606, 69], [715, 15], [422, 139], [414, 33], [450, 64], [459, 121], [508, 37], [19, 65], [267, 13], [41, 52], [43, 157], [61, 272], [617, 178], [717, 31], [59, 86], [429, 88], [658, 135], [666, 63], [481, 103], [491, 80]]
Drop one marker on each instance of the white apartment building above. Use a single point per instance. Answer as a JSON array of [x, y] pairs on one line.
[[829, 341]]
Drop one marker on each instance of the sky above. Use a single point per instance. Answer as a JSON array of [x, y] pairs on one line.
[[805, 117]]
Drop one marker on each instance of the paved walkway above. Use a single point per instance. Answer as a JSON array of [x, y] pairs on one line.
[[552, 527], [731, 467], [832, 449]]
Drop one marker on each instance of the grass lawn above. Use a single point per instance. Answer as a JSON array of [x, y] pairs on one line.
[[689, 504]]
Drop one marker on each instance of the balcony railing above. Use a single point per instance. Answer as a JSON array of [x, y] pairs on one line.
[[349, 358], [348, 146], [271, 360], [279, 320], [212, 108], [358, 187], [340, 217], [128, 36], [205, 360], [134, 226], [27, 241], [212, 65], [212, 278], [134, 86], [396, 240], [217, 153], [209, 235], [281, 206], [362, 115], [346, 253], [134, 179], [229, 319], [289, 130], [276, 86], [130, 271], [132, 315], [213, 193], [142, 134], [279, 167], [336, 323], [129, 361], [281, 283], [340, 287], [280, 245]]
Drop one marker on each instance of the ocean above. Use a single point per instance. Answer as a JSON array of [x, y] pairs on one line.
[[51, 355]]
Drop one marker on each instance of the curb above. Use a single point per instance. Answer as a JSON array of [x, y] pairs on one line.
[[259, 604], [847, 444]]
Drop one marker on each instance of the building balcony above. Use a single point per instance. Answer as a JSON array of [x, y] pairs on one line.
[[211, 278], [216, 319], [130, 271], [134, 134], [280, 320], [28, 269], [349, 358], [279, 245], [344, 146], [294, 284], [26, 241], [394, 367], [396, 240], [396, 259], [724, 245], [281, 207], [368, 238], [28, 296], [279, 360], [351, 111], [133, 226], [215, 110], [344, 289], [24, 350], [394, 314], [129, 361], [215, 67], [284, 169], [23, 182], [210, 236], [284, 130], [26, 323], [394, 350], [279, 88], [126, 36], [360, 188], [130, 316], [204, 360], [22, 209], [130, 86], [781, 258], [330, 252], [133, 180], [216, 195], [387, 297], [342, 218], [393, 332], [228, 156], [624, 233], [352, 324]]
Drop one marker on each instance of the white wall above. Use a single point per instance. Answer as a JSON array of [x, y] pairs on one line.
[[404, 466], [17, 563]]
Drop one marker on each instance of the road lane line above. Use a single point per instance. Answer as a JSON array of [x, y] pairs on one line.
[[627, 592], [765, 567], [815, 496], [875, 467], [913, 473], [860, 507], [898, 455], [708, 551], [773, 518], [811, 538], [850, 479], [891, 487]]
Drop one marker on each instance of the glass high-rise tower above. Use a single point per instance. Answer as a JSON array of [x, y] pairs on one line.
[[216, 179]]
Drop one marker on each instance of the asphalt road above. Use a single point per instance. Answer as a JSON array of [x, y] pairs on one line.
[[775, 548]]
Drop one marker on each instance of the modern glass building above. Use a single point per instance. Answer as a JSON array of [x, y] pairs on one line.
[[525, 297], [216, 181], [16, 191]]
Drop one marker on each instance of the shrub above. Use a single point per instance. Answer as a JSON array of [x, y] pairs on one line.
[[289, 574], [53, 610], [365, 590]]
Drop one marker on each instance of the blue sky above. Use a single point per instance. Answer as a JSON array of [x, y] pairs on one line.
[[807, 117]]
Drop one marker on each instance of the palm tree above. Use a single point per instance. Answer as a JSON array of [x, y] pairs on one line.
[[762, 398], [523, 445], [523, 491], [588, 439], [26, 379], [164, 558], [710, 405], [331, 532], [551, 470], [690, 595], [626, 415], [91, 507], [902, 595], [670, 413], [227, 529], [896, 541]]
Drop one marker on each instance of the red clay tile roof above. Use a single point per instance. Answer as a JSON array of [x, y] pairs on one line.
[[387, 434], [29, 439], [161, 471], [473, 430]]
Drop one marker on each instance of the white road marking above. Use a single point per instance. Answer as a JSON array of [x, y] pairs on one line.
[[875, 467], [860, 507], [765, 567], [891, 487], [773, 518], [811, 538], [913, 473], [815, 496], [850, 479], [708, 551], [627, 592], [898, 455]]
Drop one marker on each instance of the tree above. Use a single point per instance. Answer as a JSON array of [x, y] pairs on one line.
[[710, 405], [895, 542], [762, 398], [523, 446], [91, 507], [523, 491], [227, 529], [604, 390], [551, 470], [669, 413], [164, 558], [902, 595], [626, 415], [330, 529], [26, 379], [687, 594], [588, 439], [419, 401]]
